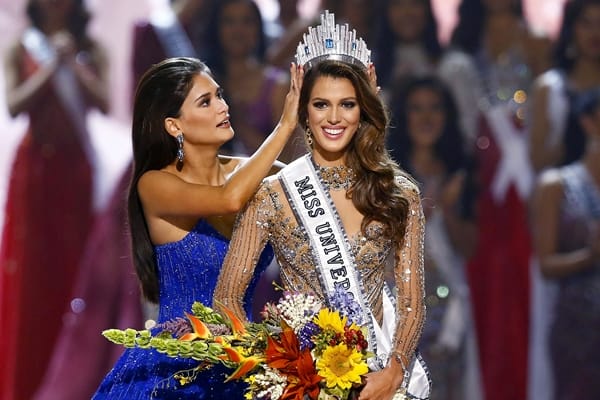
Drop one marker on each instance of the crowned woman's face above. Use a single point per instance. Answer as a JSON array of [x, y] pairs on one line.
[[333, 118]]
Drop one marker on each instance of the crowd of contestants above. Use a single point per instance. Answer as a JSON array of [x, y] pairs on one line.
[[499, 126]]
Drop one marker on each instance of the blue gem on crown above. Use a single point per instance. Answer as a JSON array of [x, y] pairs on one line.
[[332, 41]]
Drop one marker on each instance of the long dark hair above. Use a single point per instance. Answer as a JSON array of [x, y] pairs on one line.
[[376, 193], [77, 20], [215, 52], [563, 49], [160, 94], [468, 33], [449, 149]]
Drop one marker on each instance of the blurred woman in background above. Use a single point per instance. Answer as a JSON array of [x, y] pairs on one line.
[[55, 73]]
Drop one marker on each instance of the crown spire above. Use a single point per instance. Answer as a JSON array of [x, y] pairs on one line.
[[334, 42]]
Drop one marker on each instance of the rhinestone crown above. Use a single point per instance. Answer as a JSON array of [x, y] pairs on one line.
[[334, 42]]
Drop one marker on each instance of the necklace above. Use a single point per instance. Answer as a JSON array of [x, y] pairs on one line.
[[338, 177]]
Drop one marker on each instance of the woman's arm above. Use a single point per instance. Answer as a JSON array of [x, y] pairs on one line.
[[461, 231], [91, 70], [545, 213], [410, 307], [249, 239], [409, 277], [21, 95], [541, 152]]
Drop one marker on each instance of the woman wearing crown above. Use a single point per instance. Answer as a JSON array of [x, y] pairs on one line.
[[336, 216]]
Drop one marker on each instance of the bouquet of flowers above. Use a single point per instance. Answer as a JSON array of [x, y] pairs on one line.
[[300, 349]]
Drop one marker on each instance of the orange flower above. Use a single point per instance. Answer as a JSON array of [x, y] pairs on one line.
[[245, 364], [201, 331], [305, 382], [283, 354], [237, 326]]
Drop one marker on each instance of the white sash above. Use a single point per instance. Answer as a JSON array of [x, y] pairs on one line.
[[316, 212], [173, 38], [514, 166]]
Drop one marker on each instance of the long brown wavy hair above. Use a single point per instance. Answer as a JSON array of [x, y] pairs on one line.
[[376, 193]]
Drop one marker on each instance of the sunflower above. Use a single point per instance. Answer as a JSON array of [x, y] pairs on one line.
[[341, 366], [330, 320]]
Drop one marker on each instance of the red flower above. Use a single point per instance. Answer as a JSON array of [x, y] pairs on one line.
[[305, 382], [283, 354]]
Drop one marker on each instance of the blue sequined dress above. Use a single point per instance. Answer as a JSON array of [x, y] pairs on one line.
[[188, 272]]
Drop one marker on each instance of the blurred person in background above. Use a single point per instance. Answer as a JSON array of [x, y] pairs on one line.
[[174, 29], [407, 42], [426, 140], [566, 228], [282, 46], [557, 137], [254, 90], [55, 73], [494, 59]]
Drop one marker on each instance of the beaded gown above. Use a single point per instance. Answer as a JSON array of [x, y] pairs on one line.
[[188, 270], [573, 338], [268, 218]]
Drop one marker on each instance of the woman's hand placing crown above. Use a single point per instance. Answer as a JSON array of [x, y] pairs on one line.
[[373, 78]]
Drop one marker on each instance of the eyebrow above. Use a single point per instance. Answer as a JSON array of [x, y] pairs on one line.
[[202, 97], [327, 100]]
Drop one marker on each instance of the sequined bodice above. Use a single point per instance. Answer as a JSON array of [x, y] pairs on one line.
[[292, 246], [189, 268], [580, 207], [269, 217]]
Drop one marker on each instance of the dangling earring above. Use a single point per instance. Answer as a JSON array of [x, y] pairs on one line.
[[308, 135], [180, 152]]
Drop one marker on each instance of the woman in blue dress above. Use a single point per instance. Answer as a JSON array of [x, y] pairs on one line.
[[182, 202]]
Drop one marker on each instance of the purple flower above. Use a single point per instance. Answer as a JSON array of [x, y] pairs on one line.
[[177, 327], [347, 306], [306, 334]]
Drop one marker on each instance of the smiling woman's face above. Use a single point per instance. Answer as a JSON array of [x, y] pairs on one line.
[[333, 117]]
